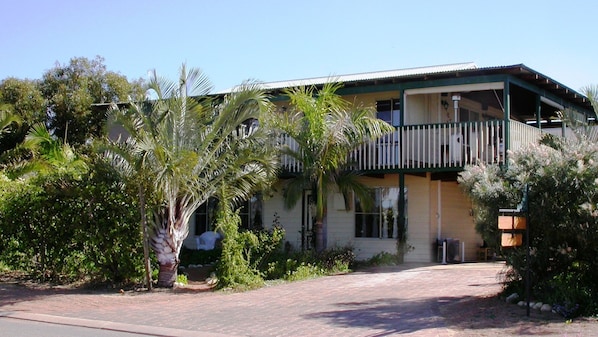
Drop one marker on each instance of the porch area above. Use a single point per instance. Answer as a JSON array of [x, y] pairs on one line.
[[435, 146]]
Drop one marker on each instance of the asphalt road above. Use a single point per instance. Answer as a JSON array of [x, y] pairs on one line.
[[24, 328]]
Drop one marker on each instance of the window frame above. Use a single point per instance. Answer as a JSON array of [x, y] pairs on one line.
[[390, 111], [205, 216], [374, 223]]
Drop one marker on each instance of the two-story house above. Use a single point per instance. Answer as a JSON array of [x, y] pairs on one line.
[[445, 117]]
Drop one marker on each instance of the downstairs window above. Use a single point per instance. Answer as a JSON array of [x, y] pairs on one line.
[[250, 212], [382, 220]]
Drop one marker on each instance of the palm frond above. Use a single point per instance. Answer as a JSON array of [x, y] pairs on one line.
[[591, 92], [7, 119], [193, 147], [326, 129]]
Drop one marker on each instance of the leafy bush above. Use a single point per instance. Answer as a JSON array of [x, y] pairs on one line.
[[234, 269], [307, 264], [182, 279], [65, 228], [338, 259], [563, 218], [267, 242], [304, 271], [383, 259]]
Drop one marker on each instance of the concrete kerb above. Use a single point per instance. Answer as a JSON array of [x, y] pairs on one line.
[[111, 326]]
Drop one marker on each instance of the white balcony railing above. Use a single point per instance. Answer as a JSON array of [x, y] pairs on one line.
[[522, 134], [429, 146]]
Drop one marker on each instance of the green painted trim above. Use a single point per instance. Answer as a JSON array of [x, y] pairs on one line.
[[507, 106], [370, 89], [454, 81], [402, 107], [401, 205], [446, 125], [538, 112], [559, 100], [415, 170], [279, 98], [375, 88], [405, 171]]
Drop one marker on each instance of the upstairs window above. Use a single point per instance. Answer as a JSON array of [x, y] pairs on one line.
[[389, 111]]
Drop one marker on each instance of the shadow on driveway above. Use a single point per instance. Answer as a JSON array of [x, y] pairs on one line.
[[391, 316]]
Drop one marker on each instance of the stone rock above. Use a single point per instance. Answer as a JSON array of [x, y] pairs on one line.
[[538, 305], [521, 303], [512, 298], [546, 308]]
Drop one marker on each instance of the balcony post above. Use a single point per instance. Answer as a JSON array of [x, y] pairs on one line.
[[538, 112], [507, 107]]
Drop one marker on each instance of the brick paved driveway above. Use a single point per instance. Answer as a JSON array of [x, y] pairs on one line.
[[385, 302]]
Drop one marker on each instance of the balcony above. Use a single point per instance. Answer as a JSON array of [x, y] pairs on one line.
[[434, 146]]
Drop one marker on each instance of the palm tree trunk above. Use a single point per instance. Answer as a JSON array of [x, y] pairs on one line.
[[167, 241], [167, 275], [146, 258], [164, 246], [320, 213], [319, 236]]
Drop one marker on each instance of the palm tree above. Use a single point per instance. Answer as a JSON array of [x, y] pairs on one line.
[[6, 120], [48, 155], [327, 129], [190, 144], [580, 127], [591, 92]]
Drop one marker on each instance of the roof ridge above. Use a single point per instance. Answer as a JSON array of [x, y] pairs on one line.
[[362, 75]]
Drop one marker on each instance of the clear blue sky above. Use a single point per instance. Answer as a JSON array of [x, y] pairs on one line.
[[232, 41]]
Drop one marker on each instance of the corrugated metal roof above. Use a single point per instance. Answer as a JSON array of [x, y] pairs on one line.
[[377, 75], [440, 71]]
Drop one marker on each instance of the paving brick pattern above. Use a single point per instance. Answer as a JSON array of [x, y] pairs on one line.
[[403, 300]]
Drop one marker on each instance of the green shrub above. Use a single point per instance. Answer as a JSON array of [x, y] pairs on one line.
[[383, 259], [182, 279], [233, 268], [296, 265], [563, 218], [338, 259], [304, 271], [267, 243], [66, 228]]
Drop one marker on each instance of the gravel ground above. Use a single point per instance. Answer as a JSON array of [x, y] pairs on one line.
[[493, 317]]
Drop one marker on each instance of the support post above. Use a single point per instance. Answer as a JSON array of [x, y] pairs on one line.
[[527, 253], [523, 207], [444, 252]]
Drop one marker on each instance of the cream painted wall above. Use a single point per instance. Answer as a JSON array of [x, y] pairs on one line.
[[422, 213], [418, 231], [457, 223], [435, 217], [290, 220], [415, 110]]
